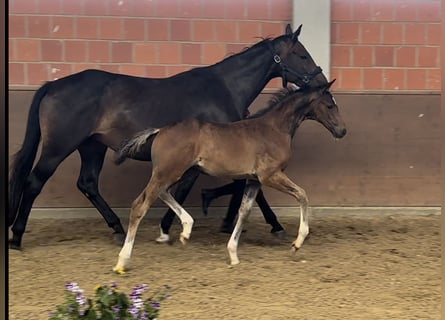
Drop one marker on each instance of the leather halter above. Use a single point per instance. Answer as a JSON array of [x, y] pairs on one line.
[[305, 78]]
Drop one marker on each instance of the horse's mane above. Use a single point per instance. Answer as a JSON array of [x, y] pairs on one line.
[[259, 43]]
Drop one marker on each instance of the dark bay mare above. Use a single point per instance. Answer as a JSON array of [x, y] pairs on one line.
[[94, 110], [258, 149]]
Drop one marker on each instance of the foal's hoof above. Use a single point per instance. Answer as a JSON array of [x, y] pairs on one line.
[[294, 248], [14, 245], [280, 234], [119, 270], [183, 239], [119, 238]]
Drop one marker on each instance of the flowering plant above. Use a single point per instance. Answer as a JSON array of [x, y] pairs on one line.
[[109, 304]]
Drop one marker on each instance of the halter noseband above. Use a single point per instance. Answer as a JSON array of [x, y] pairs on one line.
[[303, 77]]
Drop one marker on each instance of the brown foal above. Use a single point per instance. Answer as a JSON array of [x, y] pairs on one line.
[[257, 149]]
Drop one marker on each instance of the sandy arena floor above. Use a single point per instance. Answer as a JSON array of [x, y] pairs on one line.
[[351, 267]]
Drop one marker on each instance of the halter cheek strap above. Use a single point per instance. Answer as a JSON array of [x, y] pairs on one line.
[[305, 78]]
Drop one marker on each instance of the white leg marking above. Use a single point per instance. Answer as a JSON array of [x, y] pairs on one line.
[[163, 237], [184, 216], [303, 231], [244, 210]]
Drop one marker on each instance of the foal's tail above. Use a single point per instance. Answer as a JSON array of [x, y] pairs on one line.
[[24, 158], [135, 145]]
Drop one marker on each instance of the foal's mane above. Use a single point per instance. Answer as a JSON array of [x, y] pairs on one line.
[[275, 100]]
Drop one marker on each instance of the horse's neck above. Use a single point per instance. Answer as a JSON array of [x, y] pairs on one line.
[[247, 73]]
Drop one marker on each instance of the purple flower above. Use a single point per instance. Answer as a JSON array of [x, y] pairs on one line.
[[156, 304], [116, 308], [134, 312], [139, 290], [144, 315], [81, 300], [114, 285], [72, 286]]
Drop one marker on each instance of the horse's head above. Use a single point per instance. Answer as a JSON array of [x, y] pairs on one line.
[[293, 61], [324, 109]]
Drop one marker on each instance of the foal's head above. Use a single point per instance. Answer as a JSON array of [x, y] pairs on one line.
[[324, 109]]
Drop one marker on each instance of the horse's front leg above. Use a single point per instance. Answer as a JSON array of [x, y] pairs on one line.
[[186, 219], [249, 196]]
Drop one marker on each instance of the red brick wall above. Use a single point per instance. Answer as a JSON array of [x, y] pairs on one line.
[[391, 45], [386, 44]]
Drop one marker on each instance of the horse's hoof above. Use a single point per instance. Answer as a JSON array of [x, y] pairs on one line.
[[229, 229], [294, 248], [14, 245], [226, 229], [119, 238], [163, 238], [280, 234]]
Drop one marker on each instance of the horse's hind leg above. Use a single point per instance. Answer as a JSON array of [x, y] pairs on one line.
[[281, 182], [186, 219], [269, 216], [208, 195], [43, 170], [250, 193], [92, 154], [183, 188]]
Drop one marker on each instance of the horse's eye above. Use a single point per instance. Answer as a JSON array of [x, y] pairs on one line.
[[303, 57], [330, 106]]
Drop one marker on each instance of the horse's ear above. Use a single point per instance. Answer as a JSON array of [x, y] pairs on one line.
[[298, 31], [288, 29], [326, 87], [296, 34], [330, 84]]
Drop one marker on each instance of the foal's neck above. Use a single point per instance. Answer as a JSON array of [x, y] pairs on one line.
[[288, 114]]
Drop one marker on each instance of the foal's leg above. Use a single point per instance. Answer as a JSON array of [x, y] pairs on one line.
[[92, 154], [183, 188], [234, 205], [186, 219], [250, 193], [139, 208], [281, 182]]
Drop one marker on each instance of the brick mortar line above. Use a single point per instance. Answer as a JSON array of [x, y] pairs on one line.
[[145, 18]]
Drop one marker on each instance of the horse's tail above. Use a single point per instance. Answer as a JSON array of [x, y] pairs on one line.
[[135, 145], [24, 158]]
